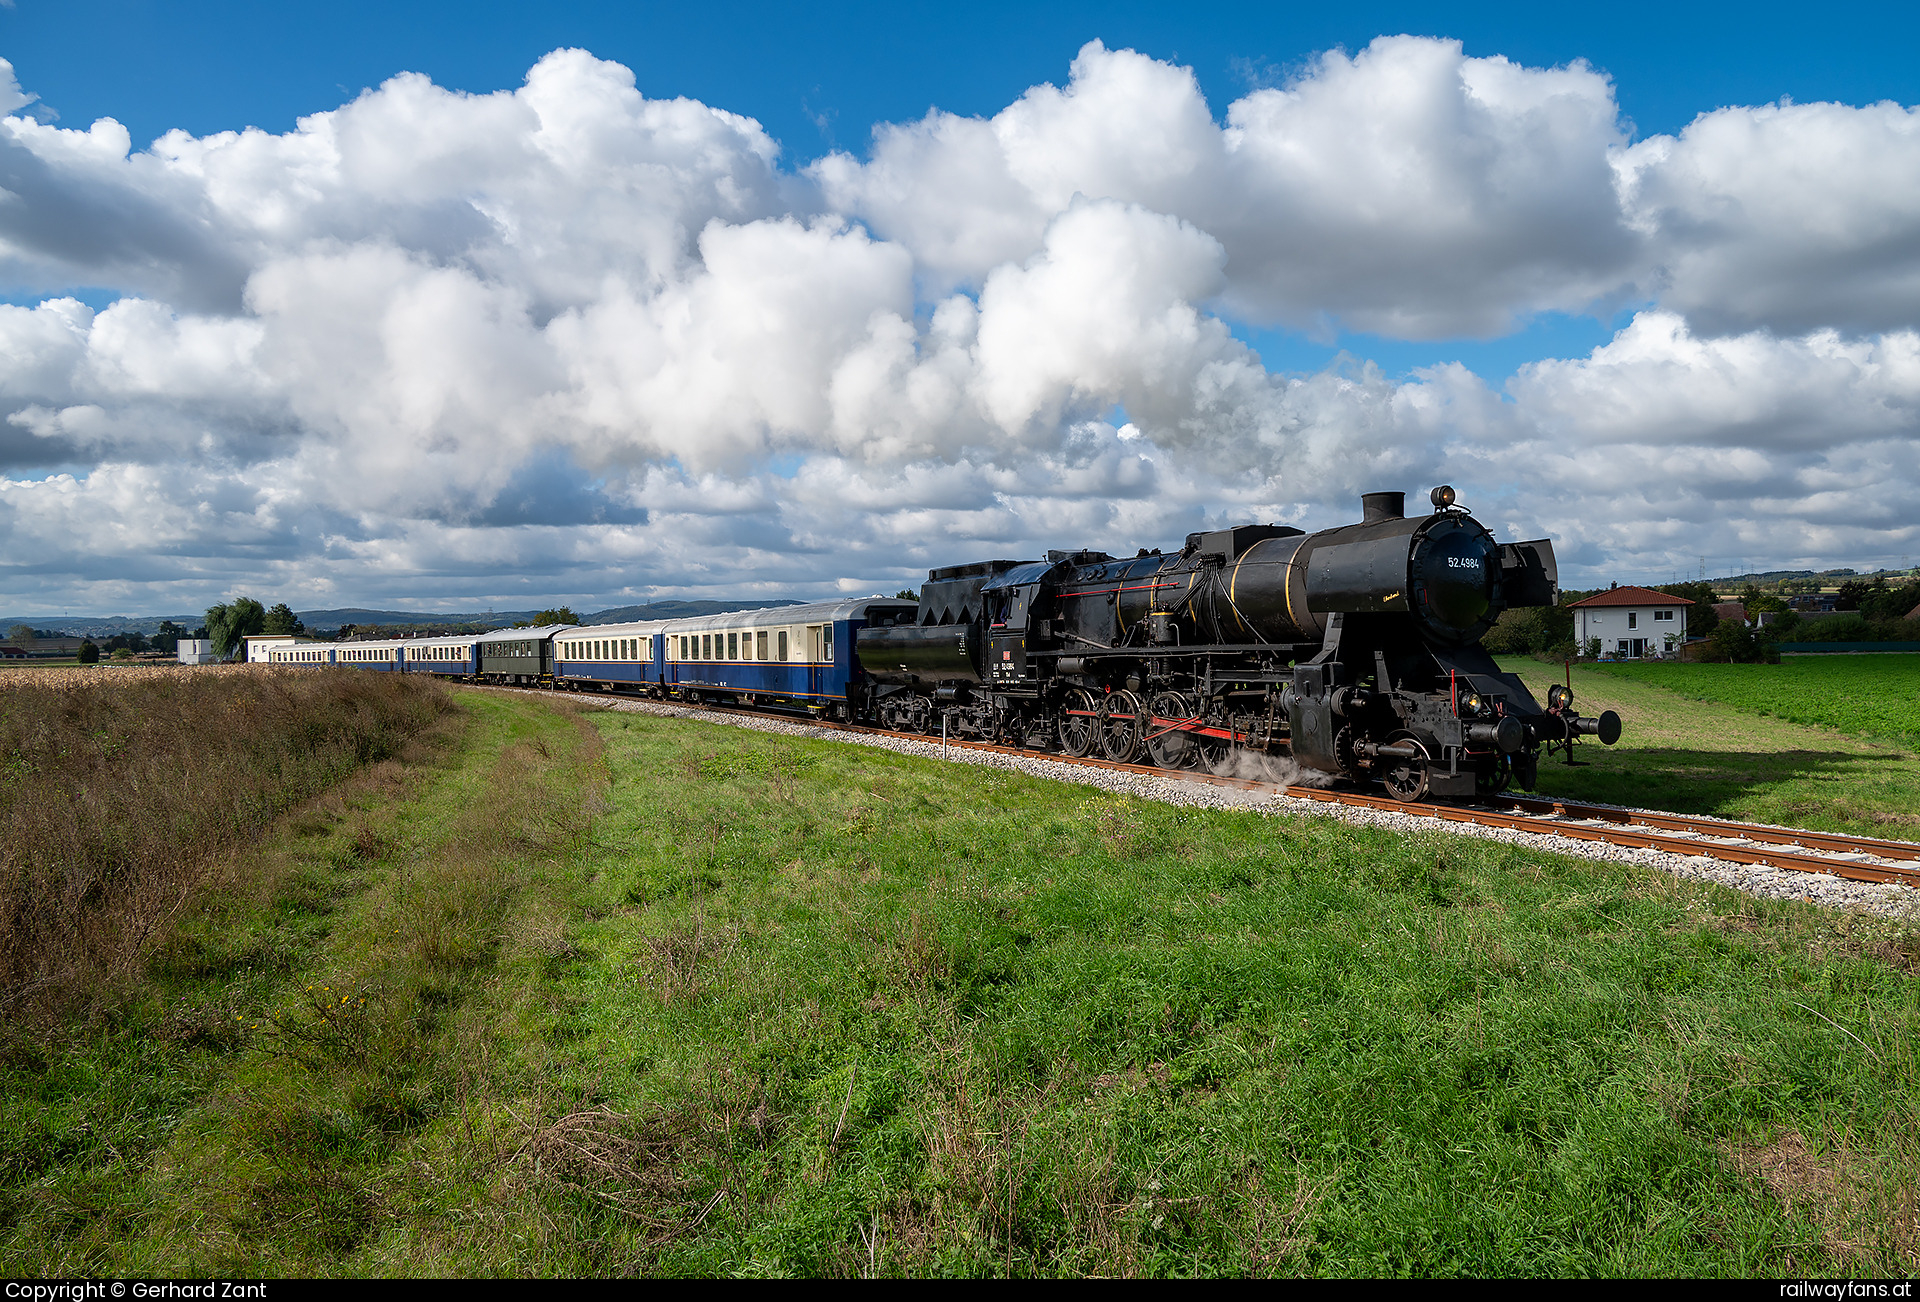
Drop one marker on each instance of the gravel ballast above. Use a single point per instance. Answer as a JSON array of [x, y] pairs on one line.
[[1887, 899]]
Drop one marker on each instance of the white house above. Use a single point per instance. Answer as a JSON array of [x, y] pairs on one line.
[[259, 645], [196, 651], [1631, 622]]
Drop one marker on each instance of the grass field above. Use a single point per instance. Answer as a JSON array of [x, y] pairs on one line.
[[1862, 695], [698, 1000], [1699, 756]]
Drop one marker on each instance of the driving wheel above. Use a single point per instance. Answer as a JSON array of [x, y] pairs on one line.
[[1171, 747], [1120, 727], [1079, 722]]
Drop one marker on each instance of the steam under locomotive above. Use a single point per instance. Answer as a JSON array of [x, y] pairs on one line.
[[1355, 651]]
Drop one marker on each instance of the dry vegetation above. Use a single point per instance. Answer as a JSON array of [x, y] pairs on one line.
[[68, 677], [117, 788]]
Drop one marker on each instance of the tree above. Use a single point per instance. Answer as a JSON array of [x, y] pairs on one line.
[[1701, 616], [906, 594], [548, 618], [283, 621], [89, 653], [230, 622], [22, 633], [1736, 643]]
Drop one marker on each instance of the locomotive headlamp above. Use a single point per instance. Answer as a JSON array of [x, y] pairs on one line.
[[1442, 497], [1558, 697], [1470, 703]]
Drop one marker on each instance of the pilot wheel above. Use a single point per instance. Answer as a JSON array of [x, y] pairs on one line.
[[1406, 779], [1494, 782]]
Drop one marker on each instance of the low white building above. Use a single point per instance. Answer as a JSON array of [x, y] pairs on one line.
[[258, 644], [196, 651], [1631, 623]]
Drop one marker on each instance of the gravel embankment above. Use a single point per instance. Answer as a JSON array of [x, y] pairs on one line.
[[1890, 900]]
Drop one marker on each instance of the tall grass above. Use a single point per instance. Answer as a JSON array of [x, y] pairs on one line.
[[116, 793]]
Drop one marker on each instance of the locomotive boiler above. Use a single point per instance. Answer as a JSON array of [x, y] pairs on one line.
[[1354, 652]]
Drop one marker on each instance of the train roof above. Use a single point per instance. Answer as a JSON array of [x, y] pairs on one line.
[[818, 612], [642, 628], [451, 639], [522, 634], [1020, 575]]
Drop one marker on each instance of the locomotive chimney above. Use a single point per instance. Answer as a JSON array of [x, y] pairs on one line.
[[1375, 507]]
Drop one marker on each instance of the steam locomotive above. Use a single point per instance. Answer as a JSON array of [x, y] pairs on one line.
[[1353, 652]]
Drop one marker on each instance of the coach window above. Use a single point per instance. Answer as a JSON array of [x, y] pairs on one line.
[[783, 645], [733, 646], [761, 639]]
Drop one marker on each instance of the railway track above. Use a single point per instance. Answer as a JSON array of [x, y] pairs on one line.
[[1856, 858]]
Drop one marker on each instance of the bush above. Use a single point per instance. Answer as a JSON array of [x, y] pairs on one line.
[[116, 791], [89, 654]]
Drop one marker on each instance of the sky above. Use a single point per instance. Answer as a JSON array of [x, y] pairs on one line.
[[447, 306]]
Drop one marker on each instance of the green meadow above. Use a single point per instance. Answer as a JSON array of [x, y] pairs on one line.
[[573, 992], [1747, 741]]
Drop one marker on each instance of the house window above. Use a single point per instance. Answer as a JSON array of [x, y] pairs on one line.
[[1633, 619], [1659, 615]]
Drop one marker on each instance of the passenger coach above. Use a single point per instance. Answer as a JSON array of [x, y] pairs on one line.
[[609, 656], [795, 656], [517, 656]]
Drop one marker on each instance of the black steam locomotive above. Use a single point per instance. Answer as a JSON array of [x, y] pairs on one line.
[[1354, 651]]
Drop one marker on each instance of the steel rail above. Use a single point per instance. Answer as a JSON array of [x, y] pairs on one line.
[[1547, 816]]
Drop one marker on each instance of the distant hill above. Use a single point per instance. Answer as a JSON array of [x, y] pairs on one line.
[[328, 620], [100, 626]]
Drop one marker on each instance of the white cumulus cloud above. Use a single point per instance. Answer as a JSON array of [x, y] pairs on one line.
[[566, 342]]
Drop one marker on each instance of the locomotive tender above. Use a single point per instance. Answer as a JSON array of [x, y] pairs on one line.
[[1353, 651]]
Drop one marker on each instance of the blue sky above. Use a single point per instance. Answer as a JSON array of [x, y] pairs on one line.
[[822, 77], [214, 66], [1720, 332]]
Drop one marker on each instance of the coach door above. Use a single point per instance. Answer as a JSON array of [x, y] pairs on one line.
[[816, 653]]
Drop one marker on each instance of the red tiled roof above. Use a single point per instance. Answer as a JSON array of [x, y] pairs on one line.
[[1631, 597]]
